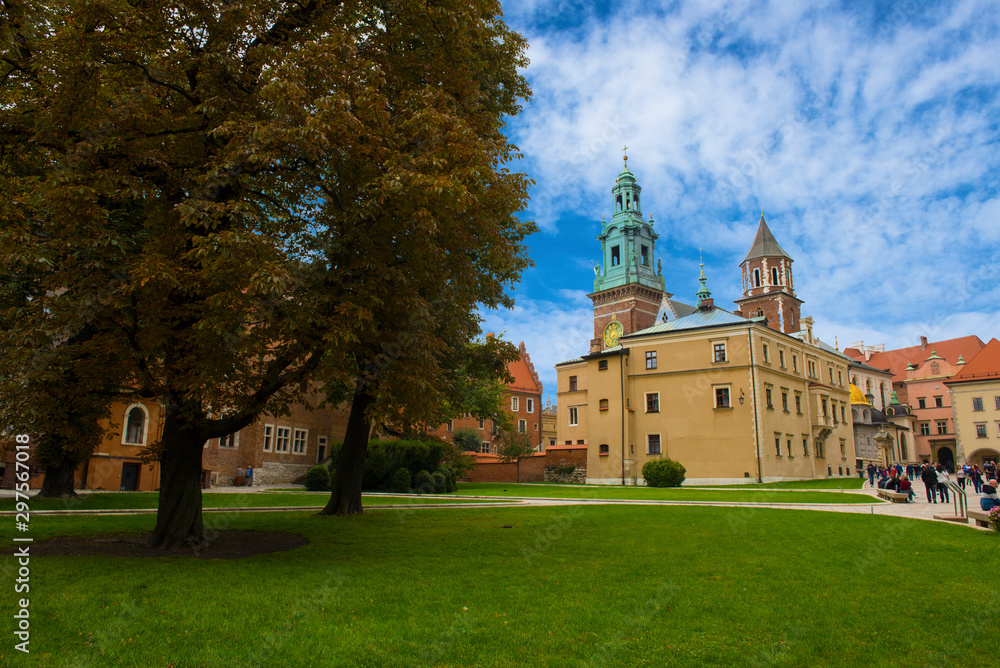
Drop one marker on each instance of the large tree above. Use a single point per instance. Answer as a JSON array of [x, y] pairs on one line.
[[280, 190]]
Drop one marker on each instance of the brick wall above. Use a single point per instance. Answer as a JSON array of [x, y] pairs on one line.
[[532, 469]]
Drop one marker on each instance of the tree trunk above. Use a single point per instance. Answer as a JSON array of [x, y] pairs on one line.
[[58, 480], [178, 515], [346, 496]]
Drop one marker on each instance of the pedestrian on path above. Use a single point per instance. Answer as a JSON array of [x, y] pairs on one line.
[[942, 478], [977, 478], [929, 478], [960, 476], [871, 474]]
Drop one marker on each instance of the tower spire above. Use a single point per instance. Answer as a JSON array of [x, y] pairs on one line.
[[704, 296]]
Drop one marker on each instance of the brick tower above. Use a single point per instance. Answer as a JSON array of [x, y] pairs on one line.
[[627, 289], [768, 289]]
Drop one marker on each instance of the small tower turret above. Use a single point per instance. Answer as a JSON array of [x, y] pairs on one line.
[[768, 289]]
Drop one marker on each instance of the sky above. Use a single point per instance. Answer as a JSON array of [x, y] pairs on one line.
[[866, 131]]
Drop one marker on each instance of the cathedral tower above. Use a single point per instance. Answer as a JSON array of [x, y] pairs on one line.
[[767, 284], [627, 289]]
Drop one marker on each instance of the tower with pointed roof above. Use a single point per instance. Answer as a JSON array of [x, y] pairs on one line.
[[768, 289], [628, 286]]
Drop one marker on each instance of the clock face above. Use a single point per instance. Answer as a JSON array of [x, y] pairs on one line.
[[612, 332]]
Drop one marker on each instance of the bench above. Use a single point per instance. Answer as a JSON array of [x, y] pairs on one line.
[[895, 497], [980, 518]]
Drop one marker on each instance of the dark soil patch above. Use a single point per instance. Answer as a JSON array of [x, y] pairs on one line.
[[226, 545]]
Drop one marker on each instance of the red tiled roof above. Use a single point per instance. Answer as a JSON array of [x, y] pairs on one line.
[[986, 364], [897, 360], [523, 371]]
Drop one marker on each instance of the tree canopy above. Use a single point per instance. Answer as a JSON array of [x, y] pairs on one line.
[[234, 198]]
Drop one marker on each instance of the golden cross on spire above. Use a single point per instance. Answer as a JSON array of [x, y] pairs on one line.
[[625, 153]]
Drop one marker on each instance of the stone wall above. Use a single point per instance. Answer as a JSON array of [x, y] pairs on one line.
[[578, 476], [278, 473]]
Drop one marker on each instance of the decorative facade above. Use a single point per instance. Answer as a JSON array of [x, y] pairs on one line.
[[975, 403]]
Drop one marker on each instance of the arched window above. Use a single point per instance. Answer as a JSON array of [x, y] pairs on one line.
[[618, 203], [756, 278], [774, 276], [760, 313], [903, 455], [135, 425], [868, 387]]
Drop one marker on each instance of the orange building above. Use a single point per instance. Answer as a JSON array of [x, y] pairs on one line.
[[522, 403], [919, 377], [975, 403]]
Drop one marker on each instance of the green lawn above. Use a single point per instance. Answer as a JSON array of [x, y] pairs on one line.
[[141, 500], [564, 586], [731, 494], [823, 483]]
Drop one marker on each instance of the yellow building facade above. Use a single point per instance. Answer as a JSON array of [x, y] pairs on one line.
[[733, 397]]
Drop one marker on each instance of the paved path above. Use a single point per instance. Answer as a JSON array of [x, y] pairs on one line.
[[919, 509]]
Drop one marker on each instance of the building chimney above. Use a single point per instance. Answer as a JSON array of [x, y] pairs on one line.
[[923, 342]]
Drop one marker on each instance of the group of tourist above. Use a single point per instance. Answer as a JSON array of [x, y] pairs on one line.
[[935, 478]]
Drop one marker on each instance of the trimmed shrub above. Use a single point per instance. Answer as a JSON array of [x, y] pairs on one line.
[[317, 479], [423, 483], [401, 481], [663, 473], [440, 482], [449, 477]]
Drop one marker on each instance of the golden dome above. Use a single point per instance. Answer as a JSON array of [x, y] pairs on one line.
[[857, 398]]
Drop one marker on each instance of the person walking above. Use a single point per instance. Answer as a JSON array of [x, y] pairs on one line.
[[960, 477], [990, 470], [977, 478], [929, 478], [871, 474], [942, 479]]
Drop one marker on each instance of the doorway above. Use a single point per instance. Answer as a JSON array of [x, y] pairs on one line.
[[946, 458], [130, 477]]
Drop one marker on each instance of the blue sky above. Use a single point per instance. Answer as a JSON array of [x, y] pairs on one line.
[[868, 133]]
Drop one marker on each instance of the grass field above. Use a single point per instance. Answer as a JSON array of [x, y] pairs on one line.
[[564, 586], [730, 494], [143, 500]]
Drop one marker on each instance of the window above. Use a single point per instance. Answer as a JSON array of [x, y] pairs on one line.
[[784, 400], [997, 400], [767, 355], [572, 383], [603, 449], [925, 428], [781, 358], [840, 379], [767, 397], [798, 403], [939, 402], [482, 424], [789, 444], [650, 359], [644, 254], [449, 425], [268, 437], [228, 441], [282, 438], [981, 430], [818, 448], [824, 407], [722, 397], [529, 405], [486, 447], [534, 426], [719, 352], [653, 402], [756, 278], [795, 363], [602, 365], [811, 365], [977, 403], [522, 426], [603, 405], [573, 417], [922, 402], [299, 442], [654, 444], [903, 453], [843, 414], [135, 426], [942, 426], [777, 444], [514, 404], [580, 442], [616, 257], [843, 449], [831, 375], [552, 441], [805, 446]]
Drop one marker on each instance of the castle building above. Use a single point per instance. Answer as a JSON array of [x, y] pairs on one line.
[[919, 377], [734, 397]]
